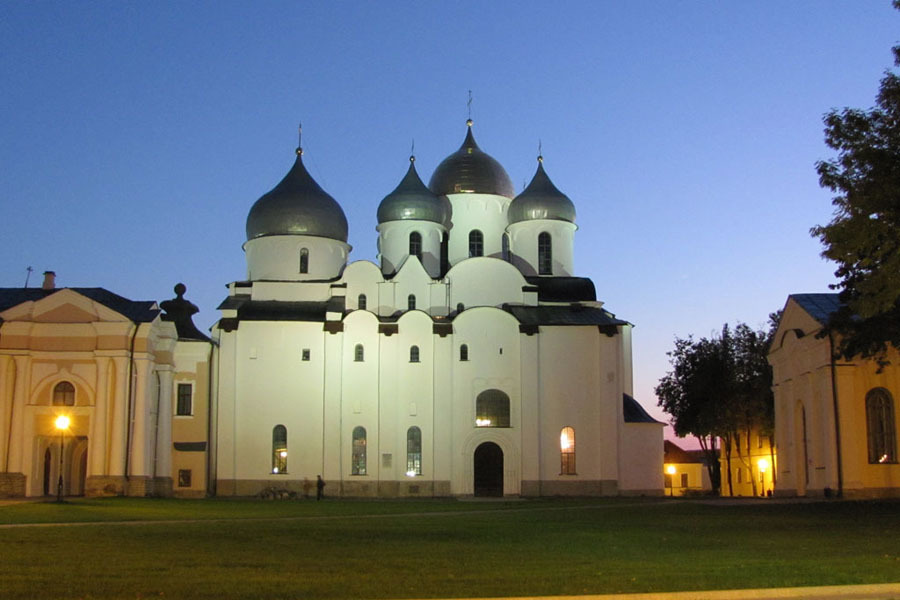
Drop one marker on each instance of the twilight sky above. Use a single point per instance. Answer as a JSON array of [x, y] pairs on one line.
[[134, 137]]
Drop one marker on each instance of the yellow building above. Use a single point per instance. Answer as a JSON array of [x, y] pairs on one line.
[[752, 472], [835, 420], [685, 471]]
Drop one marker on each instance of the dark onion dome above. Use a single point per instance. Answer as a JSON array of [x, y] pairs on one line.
[[541, 200], [411, 200], [297, 206], [470, 170]]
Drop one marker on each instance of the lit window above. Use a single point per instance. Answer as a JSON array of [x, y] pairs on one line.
[[184, 406], [476, 243], [413, 451], [545, 254], [361, 302], [359, 355], [358, 458], [464, 352], [411, 302], [492, 409], [567, 451], [413, 354], [882, 436], [279, 450], [64, 394], [415, 244], [304, 260]]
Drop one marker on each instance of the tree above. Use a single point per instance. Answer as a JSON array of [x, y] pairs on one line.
[[863, 237], [720, 387]]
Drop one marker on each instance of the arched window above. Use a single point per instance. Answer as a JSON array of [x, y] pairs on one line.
[[304, 260], [64, 394], [415, 244], [567, 451], [460, 307], [279, 449], [504, 247], [492, 409], [463, 352], [545, 254], [413, 354], [411, 302], [880, 427], [359, 354], [358, 458], [361, 302], [476, 243], [413, 452]]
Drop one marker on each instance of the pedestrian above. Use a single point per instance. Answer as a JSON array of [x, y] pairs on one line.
[[320, 487]]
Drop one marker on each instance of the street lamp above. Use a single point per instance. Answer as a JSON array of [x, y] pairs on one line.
[[763, 466], [62, 424], [670, 470]]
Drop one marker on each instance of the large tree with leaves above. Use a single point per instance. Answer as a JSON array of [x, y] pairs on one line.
[[863, 237]]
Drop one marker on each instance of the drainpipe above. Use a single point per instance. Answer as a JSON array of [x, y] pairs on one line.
[[837, 418], [129, 422], [213, 348]]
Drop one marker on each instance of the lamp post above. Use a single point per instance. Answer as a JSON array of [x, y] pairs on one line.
[[763, 466], [62, 424], [670, 471]]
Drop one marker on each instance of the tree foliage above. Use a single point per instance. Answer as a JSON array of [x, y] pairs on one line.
[[863, 237]]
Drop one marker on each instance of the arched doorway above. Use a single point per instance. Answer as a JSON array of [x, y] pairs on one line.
[[488, 463]]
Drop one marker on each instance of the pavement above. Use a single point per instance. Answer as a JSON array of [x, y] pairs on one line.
[[880, 591]]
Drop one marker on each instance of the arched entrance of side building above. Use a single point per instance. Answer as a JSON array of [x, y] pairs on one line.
[[488, 470], [74, 465]]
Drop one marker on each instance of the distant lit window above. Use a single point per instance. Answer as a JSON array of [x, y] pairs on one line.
[[415, 244], [358, 456], [64, 394], [567, 451], [476, 243], [304, 260], [279, 450], [411, 302], [545, 254], [361, 302], [463, 352], [413, 354], [413, 451], [882, 435], [492, 409], [184, 401], [359, 354]]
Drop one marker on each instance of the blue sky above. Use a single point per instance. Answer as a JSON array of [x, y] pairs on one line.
[[134, 137]]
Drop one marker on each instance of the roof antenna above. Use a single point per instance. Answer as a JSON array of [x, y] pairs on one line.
[[469, 106], [299, 139], [28, 276]]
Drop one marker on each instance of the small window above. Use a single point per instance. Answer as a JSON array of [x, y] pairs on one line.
[[415, 244], [184, 478], [411, 302], [359, 354], [358, 458], [880, 428], [759, 441], [413, 354], [492, 409], [476, 243], [64, 394], [413, 452], [684, 480], [279, 450], [361, 302], [463, 352], [504, 247], [545, 254], [460, 307], [567, 451], [184, 406], [740, 475], [305, 355], [304, 260]]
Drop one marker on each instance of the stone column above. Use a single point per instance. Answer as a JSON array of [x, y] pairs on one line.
[[17, 422], [164, 431], [97, 439]]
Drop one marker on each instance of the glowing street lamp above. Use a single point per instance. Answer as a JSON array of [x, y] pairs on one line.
[[763, 466], [62, 424], [670, 471]]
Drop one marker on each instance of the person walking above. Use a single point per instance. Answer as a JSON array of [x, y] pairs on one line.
[[320, 487]]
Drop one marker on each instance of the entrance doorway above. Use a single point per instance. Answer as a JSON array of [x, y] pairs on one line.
[[488, 464]]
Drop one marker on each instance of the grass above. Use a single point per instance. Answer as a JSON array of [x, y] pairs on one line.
[[339, 549]]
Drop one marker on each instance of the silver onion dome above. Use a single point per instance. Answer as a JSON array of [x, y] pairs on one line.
[[470, 169], [297, 206], [411, 200], [541, 200]]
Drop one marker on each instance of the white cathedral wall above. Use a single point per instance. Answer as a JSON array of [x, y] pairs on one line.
[[362, 277], [523, 245], [393, 243], [484, 212], [485, 282], [277, 257]]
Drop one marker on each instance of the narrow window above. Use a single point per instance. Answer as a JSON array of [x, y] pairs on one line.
[[304, 260], [279, 449], [545, 254], [184, 406], [64, 394], [413, 354], [567, 451], [759, 441], [460, 307], [411, 302], [464, 352], [359, 354], [684, 480], [492, 409], [476, 243], [358, 458], [740, 475], [305, 354], [504, 247], [361, 302], [413, 452], [184, 478], [415, 244], [882, 435]]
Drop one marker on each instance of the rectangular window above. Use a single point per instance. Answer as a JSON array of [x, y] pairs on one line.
[[185, 406], [684, 480], [306, 354], [184, 478], [740, 475]]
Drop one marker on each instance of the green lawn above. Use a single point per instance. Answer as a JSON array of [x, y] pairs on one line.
[[421, 549]]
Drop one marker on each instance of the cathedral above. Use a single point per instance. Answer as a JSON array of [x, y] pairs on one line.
[[471, 360]]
